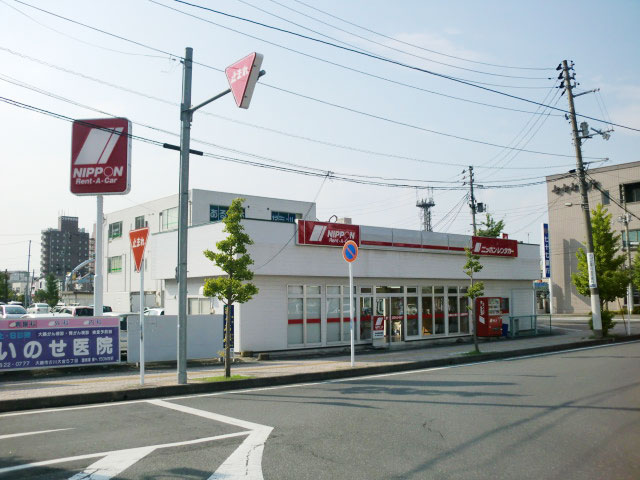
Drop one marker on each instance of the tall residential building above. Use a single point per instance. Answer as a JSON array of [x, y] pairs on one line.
[[63, 248], [610, 186]]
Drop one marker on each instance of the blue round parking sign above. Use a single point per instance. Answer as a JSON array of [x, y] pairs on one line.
[[350, 251]]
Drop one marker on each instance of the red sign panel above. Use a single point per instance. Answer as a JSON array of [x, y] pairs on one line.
[[101, 156], [242, 77], [328, 234], [497, 247], [138, 244]]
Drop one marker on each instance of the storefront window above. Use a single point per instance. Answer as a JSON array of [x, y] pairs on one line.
[[296, 319], [412, 316], [453, 314], [314, 290], [464, 314], [438, 308], [438, 290], [389, 289], [366, 306], [313, 320], [346, 330], [397, 319], [295, 289], [334, 315], [427, 315]]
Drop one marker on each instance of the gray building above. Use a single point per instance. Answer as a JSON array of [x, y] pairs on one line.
[[63, 248], [609, 186]]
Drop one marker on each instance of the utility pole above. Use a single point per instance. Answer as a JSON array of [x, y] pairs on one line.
[[625, 219], [28, 288], [186, 115], [473, 200], [593, 284]]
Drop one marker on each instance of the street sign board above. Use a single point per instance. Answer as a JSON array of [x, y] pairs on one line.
[[138, 240], [242, 77], [350, 251], [101, 156], [546, 257], [496, 247], [327, 234]]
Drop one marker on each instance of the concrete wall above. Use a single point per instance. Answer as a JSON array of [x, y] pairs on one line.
[[204, 337]]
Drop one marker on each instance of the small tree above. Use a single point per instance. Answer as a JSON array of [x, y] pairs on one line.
[[474, 291], [52, 292], [40, 296], [491, 227], [611, 275], [233, 259], [4, 287]]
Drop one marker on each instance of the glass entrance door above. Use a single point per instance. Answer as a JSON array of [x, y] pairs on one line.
[[397, 319]]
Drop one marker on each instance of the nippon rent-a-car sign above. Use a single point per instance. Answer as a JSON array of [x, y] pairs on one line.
[[101, 156], [497, 247], [327, 234]]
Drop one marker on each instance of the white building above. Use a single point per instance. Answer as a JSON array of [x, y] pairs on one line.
[[409, 282]]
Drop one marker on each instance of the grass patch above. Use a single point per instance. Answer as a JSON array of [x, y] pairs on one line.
[[471, 353], [222, 378]]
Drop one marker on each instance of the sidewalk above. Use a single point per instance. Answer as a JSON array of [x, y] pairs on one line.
[[56, 388]]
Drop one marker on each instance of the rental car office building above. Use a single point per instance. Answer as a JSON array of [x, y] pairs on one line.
[[409, 285]]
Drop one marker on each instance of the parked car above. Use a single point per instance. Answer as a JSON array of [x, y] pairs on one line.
[[12, 311], [105, 308], [123, 327], [78, 311], [154, 311], [39, 308]]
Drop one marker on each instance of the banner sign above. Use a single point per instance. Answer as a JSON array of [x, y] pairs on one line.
[[31, 343], [496, 247], [546, 254], [378, 327], [327, 234], [101, 156], [227, 318]]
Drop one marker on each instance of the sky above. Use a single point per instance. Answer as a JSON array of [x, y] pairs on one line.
[[384, 108]]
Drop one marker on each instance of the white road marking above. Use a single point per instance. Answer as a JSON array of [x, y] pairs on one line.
[[113, 464], [55, 461], [245, 463], [13, 435]]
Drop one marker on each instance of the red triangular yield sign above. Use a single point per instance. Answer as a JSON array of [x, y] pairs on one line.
[[242, 77], [138, 243]]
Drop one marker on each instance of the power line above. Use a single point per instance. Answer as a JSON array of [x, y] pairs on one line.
[[418, 46], [476, 84], [325, 103], [378, 43], [335, 64]]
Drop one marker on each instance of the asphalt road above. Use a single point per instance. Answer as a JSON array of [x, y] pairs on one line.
[[563, 416]]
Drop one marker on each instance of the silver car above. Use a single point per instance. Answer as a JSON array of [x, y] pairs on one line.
[[39, 308], [12, 311]]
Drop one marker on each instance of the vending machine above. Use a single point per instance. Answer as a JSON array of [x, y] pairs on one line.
[[489, 311]]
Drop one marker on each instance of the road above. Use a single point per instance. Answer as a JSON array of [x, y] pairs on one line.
[[572, 415]]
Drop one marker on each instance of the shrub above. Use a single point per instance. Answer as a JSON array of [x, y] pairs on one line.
[[607, 322]]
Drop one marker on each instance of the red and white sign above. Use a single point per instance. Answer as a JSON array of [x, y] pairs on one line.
[[138, 244], [242, 77], [101, 156], [328, 234], [378, 327], [497, 247]]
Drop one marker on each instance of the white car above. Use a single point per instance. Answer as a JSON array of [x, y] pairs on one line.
[[39, 308], [154, 311], [12, 311]]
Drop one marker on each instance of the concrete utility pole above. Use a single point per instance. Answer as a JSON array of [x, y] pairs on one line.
[[183, 194], [593, 284], [473, 200], [27, 293], [186, 115]]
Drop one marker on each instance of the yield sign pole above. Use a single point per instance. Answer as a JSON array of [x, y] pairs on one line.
[[138, 240], [247, 78]]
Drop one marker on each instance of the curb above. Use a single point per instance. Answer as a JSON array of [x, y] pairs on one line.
[[142, 393]]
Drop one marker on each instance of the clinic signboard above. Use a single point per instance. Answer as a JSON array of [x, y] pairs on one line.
[[546, 252], [30, 343], [495, 247], [327, 234]]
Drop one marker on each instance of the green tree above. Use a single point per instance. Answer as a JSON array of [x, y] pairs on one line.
[[40, 296], [475, 290], [52, 292], [491, 227], [4, 287], [611, 275], [233, 259]]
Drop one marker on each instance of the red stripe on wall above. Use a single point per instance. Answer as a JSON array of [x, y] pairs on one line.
[[411, 245], [313, 320]]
